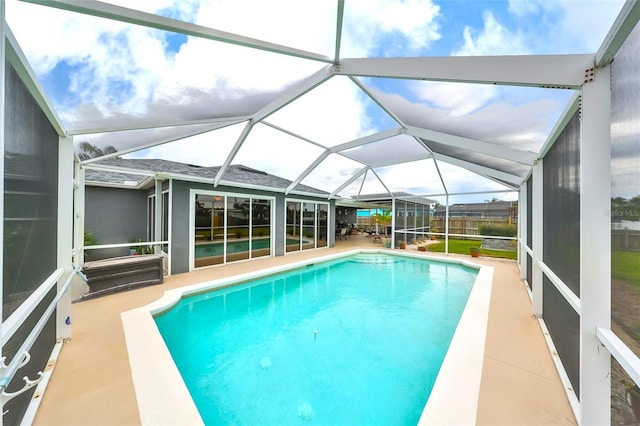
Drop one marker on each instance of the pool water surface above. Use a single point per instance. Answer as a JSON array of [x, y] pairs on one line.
[[357, 340]]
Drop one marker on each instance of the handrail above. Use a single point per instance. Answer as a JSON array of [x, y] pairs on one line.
[[621, 352], [19, 316], [562, 288], [118, 245], [22, 355]]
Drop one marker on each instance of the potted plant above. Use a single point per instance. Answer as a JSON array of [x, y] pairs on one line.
[[475, 251], [422, 247], [403, 245]]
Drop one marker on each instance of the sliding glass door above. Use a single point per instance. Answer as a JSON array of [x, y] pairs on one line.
[[228, 228], [307, 225]]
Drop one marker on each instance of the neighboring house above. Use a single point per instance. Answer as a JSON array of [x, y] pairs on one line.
[[249, 214]]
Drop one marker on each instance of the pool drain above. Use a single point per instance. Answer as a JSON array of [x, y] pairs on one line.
[[305, 411], [265, 362]]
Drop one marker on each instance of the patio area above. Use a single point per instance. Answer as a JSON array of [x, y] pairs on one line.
[[92, 385]]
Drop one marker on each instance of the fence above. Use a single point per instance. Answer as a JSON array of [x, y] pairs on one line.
[[467, 225]]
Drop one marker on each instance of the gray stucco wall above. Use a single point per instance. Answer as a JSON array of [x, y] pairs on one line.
[[114, 216]]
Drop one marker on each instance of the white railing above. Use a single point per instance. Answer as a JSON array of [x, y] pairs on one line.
[[22, 356]]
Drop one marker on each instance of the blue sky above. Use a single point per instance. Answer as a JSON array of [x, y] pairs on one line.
[[101, 73]]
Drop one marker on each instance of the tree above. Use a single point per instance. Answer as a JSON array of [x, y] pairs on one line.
[[87, 151], [383, 218]]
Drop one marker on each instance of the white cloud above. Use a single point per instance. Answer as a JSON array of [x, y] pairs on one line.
[[456, 98], [369, 24], [493, 39], [524, 126]]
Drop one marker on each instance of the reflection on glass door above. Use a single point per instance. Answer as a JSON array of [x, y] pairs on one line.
[[293, 226], [261, 228], [237, 228], [323, 224], [307, 225], [231, 228]]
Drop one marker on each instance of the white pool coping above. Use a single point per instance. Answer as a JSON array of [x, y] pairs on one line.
[[163, 397]]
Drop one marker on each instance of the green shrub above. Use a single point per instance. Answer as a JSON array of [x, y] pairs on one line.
[[498, 230]]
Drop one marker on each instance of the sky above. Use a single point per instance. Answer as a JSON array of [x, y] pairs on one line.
[[99, 73]]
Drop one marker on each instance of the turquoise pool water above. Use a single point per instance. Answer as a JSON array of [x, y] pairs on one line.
[[354, 341]]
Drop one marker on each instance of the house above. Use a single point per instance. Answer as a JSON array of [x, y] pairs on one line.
[[195, 223]]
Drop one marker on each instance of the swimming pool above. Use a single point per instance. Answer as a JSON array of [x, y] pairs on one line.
[[146, 377], [301, 344]]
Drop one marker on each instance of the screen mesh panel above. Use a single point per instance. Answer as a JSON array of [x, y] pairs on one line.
[[625, 221], [561, 206], [564, 327], [30, 227], [30, 195]]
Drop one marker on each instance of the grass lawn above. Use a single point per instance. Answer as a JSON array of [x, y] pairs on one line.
[[463, 246], [625, 265]]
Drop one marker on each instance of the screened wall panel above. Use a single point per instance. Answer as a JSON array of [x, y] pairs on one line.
[[30, 228], [30, 195], [625, 221], [561, 206], [564, 327]]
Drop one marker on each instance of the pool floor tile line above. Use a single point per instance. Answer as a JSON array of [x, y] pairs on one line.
[[92, 386]]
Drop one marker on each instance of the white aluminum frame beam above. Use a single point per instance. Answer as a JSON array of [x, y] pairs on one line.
[[16, 57], [375, 99], [565, 117], [3, 79], [308, 170], [136, 17], [146, 124], [349, 181], [537, 241], [492, 149], [339, 23], [234, 151], [550, 71], [163, 141], [385, 134], [66, 166], [625, 23], [294, 92], [595, 248], [481, 170]]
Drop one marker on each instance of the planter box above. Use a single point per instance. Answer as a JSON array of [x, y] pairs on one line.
[[122, 273]]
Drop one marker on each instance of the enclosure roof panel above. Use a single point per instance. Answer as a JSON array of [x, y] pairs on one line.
[[362, 87]]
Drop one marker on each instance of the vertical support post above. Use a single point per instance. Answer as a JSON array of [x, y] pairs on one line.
[[595, 248], [3, 62], [65, 232], [537, 237], [446, 226], [522, 228], [78, 215], [393, 223], [157, 231]]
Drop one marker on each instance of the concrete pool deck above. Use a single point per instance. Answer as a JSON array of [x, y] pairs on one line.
[[92, 384]]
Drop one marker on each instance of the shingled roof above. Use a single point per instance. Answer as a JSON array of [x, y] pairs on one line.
[[235, 175]]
